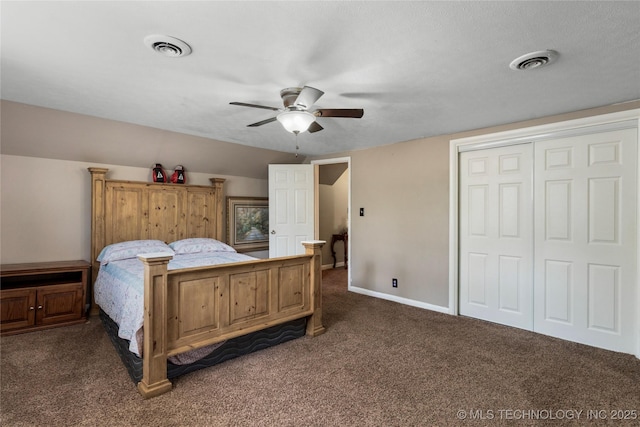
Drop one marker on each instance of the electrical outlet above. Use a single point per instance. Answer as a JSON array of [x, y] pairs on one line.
[[394, 283]]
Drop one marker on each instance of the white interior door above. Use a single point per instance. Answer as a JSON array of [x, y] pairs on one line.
[[585, 239], [496, 250], [291, 208]]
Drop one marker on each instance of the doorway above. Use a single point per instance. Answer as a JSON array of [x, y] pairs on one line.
[[333, 211]]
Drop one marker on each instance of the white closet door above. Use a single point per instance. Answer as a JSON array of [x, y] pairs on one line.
[[585, 239], [496, 237]]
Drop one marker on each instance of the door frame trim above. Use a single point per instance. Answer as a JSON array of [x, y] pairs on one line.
[[619, 120]]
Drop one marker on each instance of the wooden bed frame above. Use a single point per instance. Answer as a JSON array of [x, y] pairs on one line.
[[191, 308]]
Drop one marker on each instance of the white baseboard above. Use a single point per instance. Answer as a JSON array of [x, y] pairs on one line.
[[401, 300], [330, 266]]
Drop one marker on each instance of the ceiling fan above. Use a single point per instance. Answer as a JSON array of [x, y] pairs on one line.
[[295, 117]]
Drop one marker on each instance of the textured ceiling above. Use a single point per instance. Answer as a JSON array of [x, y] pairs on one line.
[[416, 68]]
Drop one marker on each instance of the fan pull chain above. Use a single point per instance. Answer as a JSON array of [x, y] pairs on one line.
[[297, 148]]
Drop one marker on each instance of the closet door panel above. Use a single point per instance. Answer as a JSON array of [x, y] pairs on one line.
[[585, 239], [496, 235]]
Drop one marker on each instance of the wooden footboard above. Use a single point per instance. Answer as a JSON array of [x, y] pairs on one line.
[[191, 308]]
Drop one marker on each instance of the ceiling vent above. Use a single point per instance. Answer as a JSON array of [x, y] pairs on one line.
[[534, 60], [168, 46]]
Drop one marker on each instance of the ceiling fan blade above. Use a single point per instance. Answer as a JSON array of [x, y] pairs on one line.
[[308, 96], [315, 127], [263, 122], [354, 113], [244, 104]]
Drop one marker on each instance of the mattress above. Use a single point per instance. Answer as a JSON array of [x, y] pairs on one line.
[[119, 289]]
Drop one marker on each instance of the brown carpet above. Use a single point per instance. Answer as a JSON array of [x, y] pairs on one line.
[[379, 364]]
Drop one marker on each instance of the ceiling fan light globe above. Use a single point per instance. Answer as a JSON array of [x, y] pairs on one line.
[[296, 121]]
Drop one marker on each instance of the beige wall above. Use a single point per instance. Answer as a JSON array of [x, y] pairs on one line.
[[45, 197], [404, 188], [45, 214], [403, 234], [33, 131]]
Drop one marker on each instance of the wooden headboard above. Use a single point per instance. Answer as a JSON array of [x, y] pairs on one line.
[[129, 210]]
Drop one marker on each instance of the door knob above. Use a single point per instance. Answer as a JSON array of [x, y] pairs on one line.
[[273, 231]]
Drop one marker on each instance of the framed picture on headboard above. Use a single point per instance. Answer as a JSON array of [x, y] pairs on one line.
[[248, 223]]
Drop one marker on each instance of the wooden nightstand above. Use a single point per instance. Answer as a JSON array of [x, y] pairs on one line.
[[41, 295]]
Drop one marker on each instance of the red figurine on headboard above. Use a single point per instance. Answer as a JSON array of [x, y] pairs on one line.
[[158, 173], [178, 176]]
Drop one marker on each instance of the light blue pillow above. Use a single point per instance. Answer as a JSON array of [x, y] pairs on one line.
[[199, 244], [131, 249]]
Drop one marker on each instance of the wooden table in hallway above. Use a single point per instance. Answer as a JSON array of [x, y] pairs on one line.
[[344, 237]]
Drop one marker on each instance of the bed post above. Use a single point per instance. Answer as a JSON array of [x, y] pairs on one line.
[[154, 351], [98, 176], [314, 323]]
